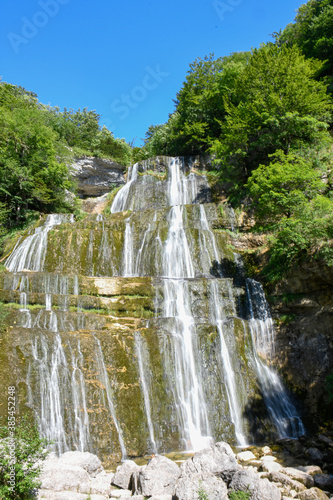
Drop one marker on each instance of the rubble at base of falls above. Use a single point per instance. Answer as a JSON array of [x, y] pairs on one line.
[[212, 474]]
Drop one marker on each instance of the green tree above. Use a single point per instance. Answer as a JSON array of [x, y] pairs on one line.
[[33, 172], [312, 32], [283, 188], [280, 106]]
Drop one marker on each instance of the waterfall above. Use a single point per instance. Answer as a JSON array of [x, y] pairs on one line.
[[120, 200], [166, 359], [128, 252], [177, 264], [109, 395], [283, 412], [232, 387], [29, 254], [145, 384]]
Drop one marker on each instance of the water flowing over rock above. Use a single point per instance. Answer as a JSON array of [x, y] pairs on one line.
[[136, 331]]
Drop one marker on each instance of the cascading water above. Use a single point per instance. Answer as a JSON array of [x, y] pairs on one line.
[[30, 253], [145, 383], [284, 414], [191, 369]]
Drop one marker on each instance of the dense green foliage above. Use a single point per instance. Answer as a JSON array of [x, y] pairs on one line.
[[265, 116], [37, 143], [312, 32], [29, 451]]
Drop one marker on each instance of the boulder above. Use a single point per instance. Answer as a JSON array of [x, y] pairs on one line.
[[310, 469], [313, 494], [219, 460], [121, 494], [285, 480], [268, 464], [88, 461], [123, 475], [158, 477], [259, 489], [324, 482], [314, 455], [245, 456], [60, 477], [61, 495], [193, 487], [299, 476], [99, 485]]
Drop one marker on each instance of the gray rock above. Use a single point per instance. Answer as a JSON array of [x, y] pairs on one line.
[[268, 464], [219, 460], [160, 497], [122, 477], [61, 495], [158, 477], [313, 494], [188, 487], [300, 476], [259, 489], [121, 494], [324, 482], [89, 462], [60, 477], [285, 480], [99, 485], [314, 455], [310, 469], [94, 176], [245, 456]]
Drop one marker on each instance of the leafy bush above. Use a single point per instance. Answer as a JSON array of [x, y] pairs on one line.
[[29, 451]]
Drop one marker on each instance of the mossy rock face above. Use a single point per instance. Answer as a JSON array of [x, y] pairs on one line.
[[103, 355]]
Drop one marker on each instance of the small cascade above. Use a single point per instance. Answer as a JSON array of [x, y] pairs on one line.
[[103, 374], [29, 254], [145, 384], [81, 419], [234, 387], [120, 200], [283, 412], [52, 382], [24, 288], [128, 251], [59, 385]]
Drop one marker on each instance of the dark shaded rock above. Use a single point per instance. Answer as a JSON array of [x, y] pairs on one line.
[[95, 176], [324, 482], [314, 455]]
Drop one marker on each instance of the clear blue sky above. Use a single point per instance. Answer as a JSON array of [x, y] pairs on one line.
[[126, 60]]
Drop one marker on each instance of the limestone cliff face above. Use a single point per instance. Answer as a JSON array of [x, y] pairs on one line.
[[95, 176], [303, 307]]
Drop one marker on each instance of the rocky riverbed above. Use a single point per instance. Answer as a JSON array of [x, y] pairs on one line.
[[211, 474]]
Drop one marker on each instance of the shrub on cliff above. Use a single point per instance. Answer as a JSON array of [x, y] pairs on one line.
[[20, 460]]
